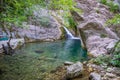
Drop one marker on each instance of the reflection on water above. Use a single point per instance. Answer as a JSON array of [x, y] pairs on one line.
[[73, 47], [35, 60]]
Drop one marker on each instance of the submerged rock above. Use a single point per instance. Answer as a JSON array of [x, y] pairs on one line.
[[74, 70], [94, 76], [39, 51]]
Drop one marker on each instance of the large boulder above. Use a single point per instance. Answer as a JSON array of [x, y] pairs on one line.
[[33, 33], [41, 27], [94, 76], [98, 38], [98, 46], [74, 70]]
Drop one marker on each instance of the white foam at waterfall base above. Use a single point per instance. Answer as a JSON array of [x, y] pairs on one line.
[[69, 34]]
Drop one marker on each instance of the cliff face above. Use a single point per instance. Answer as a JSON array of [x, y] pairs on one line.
[[99, 39], [42, 26]]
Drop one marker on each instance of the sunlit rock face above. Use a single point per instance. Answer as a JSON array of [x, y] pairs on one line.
[[41, 27], [97, 35], [34, 33]]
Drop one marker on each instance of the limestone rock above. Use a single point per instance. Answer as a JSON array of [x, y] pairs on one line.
[[68, 63], [97, 38], [116, 29], [74, 70], [110, 75], [94, 76], [44, 27], [77, 17], [98, 46], [14, 43]]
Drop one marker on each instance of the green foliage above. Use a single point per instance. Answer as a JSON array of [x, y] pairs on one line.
[[113, 59], [103, 2], [71, 22], [116, 60], [113, 6], [17, 11], [115, 20], [103, 59], [44, 21], [61, 4]]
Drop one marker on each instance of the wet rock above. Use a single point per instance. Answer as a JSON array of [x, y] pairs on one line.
[[74, 70], [68, 63], [94, 76]]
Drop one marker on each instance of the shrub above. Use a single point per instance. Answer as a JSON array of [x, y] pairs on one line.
[[115, 20], [103, 2], [113, 6], [115, 61], [103, 59], [15, 11], [61, 4]]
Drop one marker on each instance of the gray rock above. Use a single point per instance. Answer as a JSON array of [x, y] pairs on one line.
[[74, 70], [14, 43], [96, 37], [116, 29], [114, 70], [111, 33], [110, 75], [94, 76], [68, 63], [97, 46], [41, 31], [77, 17]]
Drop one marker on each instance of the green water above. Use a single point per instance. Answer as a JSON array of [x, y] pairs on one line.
[[35, 61]]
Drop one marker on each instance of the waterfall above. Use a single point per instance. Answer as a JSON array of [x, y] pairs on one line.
[[69, 34]]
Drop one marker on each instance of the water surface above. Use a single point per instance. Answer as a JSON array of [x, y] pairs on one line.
[[35, 61]]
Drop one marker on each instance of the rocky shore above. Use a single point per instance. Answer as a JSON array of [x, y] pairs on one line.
[[84, 71]]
